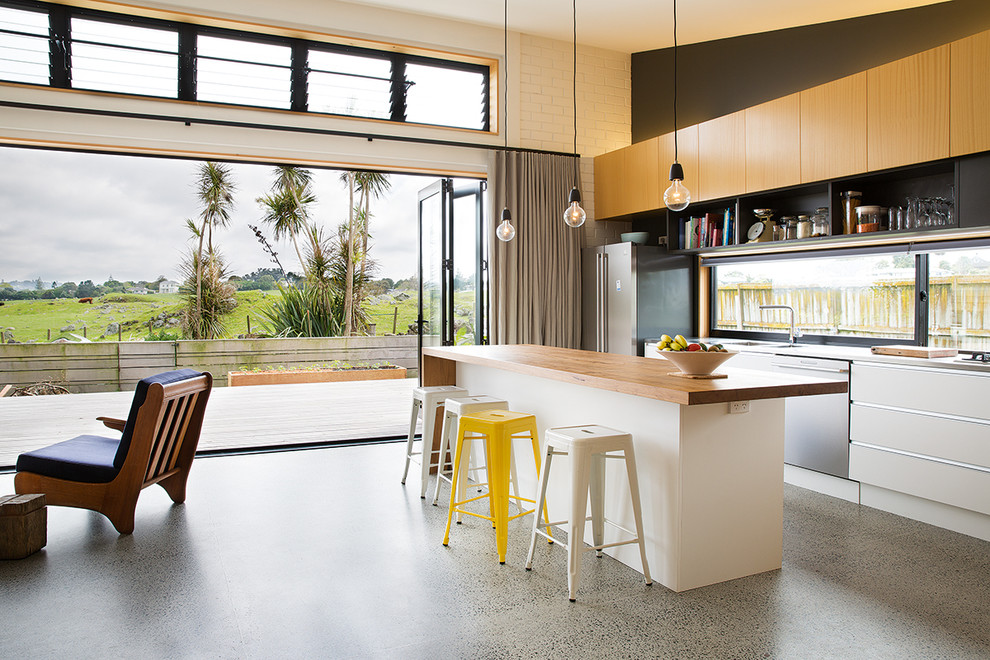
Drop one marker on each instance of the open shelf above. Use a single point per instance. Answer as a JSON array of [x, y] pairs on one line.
[[959, 180]]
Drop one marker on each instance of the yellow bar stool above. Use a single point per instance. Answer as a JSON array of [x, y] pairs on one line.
[[454, 408], [588, 447], [498, 428], [427, 401]]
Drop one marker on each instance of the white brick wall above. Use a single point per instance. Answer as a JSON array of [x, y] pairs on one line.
[[604, 100]]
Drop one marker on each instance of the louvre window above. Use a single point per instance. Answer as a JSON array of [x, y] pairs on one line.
[[343, 84], [243, 72], [114, 57], [73, 47], [24, 46], [446, 96]]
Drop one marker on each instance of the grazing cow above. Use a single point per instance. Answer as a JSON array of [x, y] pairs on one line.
[[86, 300]]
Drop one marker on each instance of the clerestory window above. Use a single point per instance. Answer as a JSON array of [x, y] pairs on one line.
[[77, 48]]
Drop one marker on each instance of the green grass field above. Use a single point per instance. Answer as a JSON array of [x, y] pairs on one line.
[[32, 320]]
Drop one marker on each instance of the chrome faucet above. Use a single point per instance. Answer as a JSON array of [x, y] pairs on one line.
[[794, 333]]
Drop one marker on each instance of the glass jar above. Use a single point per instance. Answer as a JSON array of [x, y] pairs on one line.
[[820, 224], [850, 200], [803, 226], [867, 218], [789, 223]]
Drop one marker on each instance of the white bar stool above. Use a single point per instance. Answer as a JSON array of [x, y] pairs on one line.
[[454, 408], [588, 447], [426, 401]]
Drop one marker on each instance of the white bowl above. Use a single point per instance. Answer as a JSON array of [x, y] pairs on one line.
[[696, 363]]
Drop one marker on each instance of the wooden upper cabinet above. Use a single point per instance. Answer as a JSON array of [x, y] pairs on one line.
[[833, 129], [687, 155], [969, 90], [608, 177], [627, 180], [773, 144], [722, 157], [908, 110], [641, 178]]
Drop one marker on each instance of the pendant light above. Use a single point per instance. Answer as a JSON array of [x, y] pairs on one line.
[[677, 196], [505, 231], [574, 215]]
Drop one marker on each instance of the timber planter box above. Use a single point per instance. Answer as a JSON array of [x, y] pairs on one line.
[[289, 376]]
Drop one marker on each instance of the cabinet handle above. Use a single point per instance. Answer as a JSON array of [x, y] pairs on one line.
[[605, 302], [810, 368]]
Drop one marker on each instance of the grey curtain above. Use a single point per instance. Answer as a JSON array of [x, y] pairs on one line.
[[535, 278]]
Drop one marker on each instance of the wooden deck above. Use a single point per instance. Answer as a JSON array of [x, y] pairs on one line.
[[236, 417]]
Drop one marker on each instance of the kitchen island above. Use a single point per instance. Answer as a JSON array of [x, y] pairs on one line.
[[711, 481]]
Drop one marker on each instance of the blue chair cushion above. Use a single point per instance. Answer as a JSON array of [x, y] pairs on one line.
[[86, 458], [140, 394]]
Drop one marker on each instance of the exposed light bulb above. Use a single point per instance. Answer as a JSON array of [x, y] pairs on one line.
[[505, 231], [574, 216], [677, 196]]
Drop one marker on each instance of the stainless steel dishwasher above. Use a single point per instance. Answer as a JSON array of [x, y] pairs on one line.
[[816, 428]]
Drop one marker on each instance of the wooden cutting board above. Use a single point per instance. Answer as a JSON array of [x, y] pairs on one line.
[[915, 351]]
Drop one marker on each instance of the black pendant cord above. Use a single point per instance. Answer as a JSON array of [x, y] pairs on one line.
[[675, 80], [505, 106], [577, 158]]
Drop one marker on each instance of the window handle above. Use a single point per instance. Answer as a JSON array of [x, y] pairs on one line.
[[923, 296]]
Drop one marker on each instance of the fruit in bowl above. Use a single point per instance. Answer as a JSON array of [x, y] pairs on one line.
[[692, 358], [679, 343]]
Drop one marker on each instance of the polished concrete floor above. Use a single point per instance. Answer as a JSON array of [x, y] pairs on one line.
[[322, 554]]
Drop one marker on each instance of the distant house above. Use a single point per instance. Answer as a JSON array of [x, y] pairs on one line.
[[168, 286], [140, 290]]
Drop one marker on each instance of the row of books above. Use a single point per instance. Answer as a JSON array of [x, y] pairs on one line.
[[709, 230]]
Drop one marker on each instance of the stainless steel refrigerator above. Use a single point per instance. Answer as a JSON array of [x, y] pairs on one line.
[[632, 293]]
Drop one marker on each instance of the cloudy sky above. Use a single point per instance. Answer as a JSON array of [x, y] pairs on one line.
[[73, 216]]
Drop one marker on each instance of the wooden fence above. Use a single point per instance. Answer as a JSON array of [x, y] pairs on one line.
[[958, 305], [117, 366]]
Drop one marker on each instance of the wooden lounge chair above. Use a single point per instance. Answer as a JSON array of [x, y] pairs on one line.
[[157, 444]]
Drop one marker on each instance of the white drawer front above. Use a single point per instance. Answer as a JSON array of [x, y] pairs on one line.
[[949, 484], [954, 393], [952, 439]]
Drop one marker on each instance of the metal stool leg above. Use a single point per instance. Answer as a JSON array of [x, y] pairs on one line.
[[429, 424], [637, 510], [499, 451], [541, 502], [580, 473], [598, 501], [534, 435], [412, 433], [444, 446], [453, 491]]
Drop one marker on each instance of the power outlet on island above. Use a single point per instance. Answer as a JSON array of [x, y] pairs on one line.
[[737, 407]]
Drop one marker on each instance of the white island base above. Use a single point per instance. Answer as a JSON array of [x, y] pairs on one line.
[[711, 482]]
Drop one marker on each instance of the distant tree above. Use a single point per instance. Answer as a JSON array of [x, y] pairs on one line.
[[903, 261], [54, 284], [113, 286], [215, 189], [371, 185], [86, 289], [285, 207], [258, 273], [208, 295], [39, 285], [48, 294], [409, 284], [66, 290]]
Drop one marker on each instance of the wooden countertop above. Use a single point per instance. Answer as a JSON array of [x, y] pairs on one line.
[[628, 374]]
